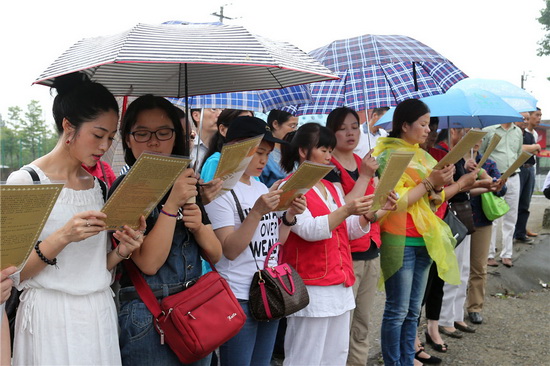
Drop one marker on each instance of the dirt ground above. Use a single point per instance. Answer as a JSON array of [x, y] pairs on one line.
[[516, 327]]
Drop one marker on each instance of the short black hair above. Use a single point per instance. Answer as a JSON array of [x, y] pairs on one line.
[[308, 136], [336, 118]]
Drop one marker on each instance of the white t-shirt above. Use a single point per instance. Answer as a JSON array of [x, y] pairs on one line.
[[222, 212], [367, 140], [202, 151]]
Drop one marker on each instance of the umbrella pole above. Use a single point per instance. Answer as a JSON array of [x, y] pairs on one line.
[[199, 132], [193, 199], [188, 119], [414, 77]]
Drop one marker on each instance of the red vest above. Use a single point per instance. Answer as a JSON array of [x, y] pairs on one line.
[[363, 243], [324, 262]]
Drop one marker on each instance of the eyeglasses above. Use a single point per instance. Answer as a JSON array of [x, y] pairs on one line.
[[162, 134]]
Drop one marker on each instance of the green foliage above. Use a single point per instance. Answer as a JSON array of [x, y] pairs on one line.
[[24, 137], [544, 19]]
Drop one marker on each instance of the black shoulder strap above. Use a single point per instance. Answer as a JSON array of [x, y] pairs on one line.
[[36, 178], [32, 172], [241, 215], [238, 204], [103, 188]]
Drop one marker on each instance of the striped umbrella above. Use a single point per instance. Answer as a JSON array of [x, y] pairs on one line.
[[178, 60], [378, 71]]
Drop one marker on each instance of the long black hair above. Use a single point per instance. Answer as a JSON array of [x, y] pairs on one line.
[[407, 111], [80, 100], [308, 136]]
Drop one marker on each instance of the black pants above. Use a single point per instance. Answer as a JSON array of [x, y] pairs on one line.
[[433, 297]]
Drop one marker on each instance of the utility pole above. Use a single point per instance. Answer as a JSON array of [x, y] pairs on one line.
[[220, 15], [523, 79]]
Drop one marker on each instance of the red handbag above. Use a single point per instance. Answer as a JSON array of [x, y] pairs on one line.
[[196, 321]]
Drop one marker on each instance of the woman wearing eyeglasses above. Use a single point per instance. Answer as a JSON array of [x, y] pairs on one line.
[[176, 232]]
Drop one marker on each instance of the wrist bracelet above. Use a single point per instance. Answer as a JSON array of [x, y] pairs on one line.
[[427, 185], [168, 214], [51, 262], [373, 219], [286, 223], [120, 255], [459, 186]]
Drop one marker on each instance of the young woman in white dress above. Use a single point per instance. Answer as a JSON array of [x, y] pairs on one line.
[[67, 315]]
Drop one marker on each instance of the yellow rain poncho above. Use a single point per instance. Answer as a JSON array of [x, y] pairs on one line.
[[435, 232]]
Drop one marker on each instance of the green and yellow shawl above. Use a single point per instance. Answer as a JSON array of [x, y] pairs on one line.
[[437, 236]]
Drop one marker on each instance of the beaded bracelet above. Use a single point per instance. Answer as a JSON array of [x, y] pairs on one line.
[[168, 214], [52, 262], [427, 185], [287, 223]]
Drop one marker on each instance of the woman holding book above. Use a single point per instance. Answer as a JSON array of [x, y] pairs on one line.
[[318, 248], [247, 226], [355, 177], [67, 314], [177, 233], [412, 236]]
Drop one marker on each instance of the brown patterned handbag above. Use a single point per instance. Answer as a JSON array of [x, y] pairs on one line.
[[277, 291]]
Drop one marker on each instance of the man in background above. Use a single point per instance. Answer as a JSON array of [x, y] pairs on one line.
[[505, 154], [526, 179], [208, 130], [370, 133], [534, 121]]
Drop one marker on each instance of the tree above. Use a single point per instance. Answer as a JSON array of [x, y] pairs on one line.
[[24, 139], [544, 19], [34, 129], [12, 146]]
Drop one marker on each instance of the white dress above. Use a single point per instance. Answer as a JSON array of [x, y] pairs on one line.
[[67, 315]]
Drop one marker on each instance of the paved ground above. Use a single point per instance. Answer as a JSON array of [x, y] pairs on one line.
[[516, 329]]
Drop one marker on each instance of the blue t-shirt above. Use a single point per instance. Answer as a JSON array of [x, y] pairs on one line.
[[210, 165], [272, 171]]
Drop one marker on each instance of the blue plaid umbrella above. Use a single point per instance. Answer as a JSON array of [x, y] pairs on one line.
[[378, 71], [256, 101]]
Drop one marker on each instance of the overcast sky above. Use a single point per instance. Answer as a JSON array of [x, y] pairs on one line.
[[493, 39]]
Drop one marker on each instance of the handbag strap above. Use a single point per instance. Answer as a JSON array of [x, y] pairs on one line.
[[142, 287], [241, 216], [33, 174], [270, 251]]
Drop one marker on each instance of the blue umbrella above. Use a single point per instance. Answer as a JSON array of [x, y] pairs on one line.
[[377, 71], [464, 108], [256, 101], [518, 98]]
